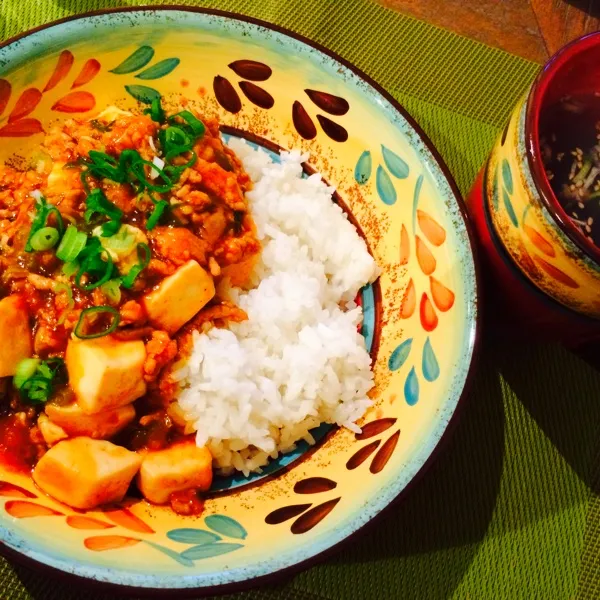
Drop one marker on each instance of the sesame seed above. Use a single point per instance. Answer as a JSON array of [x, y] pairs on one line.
[[581, 205], [588, 229], [575, 215]]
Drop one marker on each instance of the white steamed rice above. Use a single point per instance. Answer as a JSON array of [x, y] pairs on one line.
[[255, 389]]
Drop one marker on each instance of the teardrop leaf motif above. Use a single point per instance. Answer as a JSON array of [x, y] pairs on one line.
[[556, 273], [79, 522], [182, 560], [429, 366], [75, 102], [416, 198], [364, 165], [411, 388], [63, 66], [257, 95], [26, 104], [507, 176], [385, 187], [432, 230], [226, 95], [100, 543], [384, 453], [21, 128], [314, 485], [375, 428], [285, 513], [495, 192], [89, 70], [251, 69], [359, 457], [313, 517], [443, 297], [160, 69], [504, 134], [336, 132], [142, 93], [302, 121], [334, 105], [209, 550], [22, 509], [409, 301], [396, 166], [5, 92], [14, 491], [199, 537], [539, 241], [226, 526], [425, 258], [125, 518], [400, 355], [509, 208], [140, 58], [429, 320], [404, 246]]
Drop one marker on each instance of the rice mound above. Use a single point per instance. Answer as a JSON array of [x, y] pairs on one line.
[[255, 389]]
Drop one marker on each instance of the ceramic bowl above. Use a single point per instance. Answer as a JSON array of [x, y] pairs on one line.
[[277, 90]]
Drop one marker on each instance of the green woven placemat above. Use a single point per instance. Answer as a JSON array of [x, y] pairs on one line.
[[511, 509]]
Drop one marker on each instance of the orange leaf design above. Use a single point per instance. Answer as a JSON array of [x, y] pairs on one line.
[[75, 102], [409, 301], [432, 230], [540, 242], [443, 298], [99, 543], [404, 246], [78, 522], [556, 273], [429, 319], [26, 104], [425, 257], [5, 90], [16, 491], [125, 518], [63, 66], [22, 128], [21, 509], [88, 72]]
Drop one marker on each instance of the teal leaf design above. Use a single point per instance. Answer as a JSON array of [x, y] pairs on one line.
[[430, 366], [399, 355], [226, 526], [142, 93], [495, 194], [396, 166], [182, 560], [209, 550], [364, 164], [199, 537], [385, 187], [509, 208], [140, 58], [411, 388], [417, 193], [160, 69], [507, 176]]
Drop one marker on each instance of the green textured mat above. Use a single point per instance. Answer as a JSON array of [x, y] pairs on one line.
[[512, 507]]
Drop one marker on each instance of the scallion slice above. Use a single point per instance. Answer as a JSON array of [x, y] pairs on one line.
[[44, 239], [71, 245], [144, 255], [95, 311], [24, 370], [156, 214]]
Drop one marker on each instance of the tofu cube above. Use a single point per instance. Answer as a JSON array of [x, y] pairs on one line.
[[15, 334], [102, 425], [105, 373], [180, 467], [179, 297], [51, 432], [85, 473]]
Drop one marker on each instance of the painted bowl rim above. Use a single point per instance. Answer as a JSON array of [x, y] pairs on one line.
[[278, 574], [535, 100]]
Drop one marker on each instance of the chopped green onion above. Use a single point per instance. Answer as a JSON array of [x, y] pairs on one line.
[[112, 290], [122, 242], [40, 220], [44, 239], [98, 203], [71, 245], [156, 215], [24, 370], [195, 124], [109, 229], [83, 324], [144, 256], [156, 111], [69, 269], [93, 264], [35, 379]]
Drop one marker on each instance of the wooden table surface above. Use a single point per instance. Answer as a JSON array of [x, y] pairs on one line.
[[533, 29]]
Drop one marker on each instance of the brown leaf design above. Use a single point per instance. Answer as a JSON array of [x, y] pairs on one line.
[[125, 518], [15, 491], [336, 132], [5, 92], [79, 522], [334, 105], [63, 66], [375, 428], [226, 95], [359, 457], [251, 69], [384, 453], [313, 517], [314, 485], [25, 104], [302, 122], [101, 543], [284, 513], [22, 509], [257, 95]]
